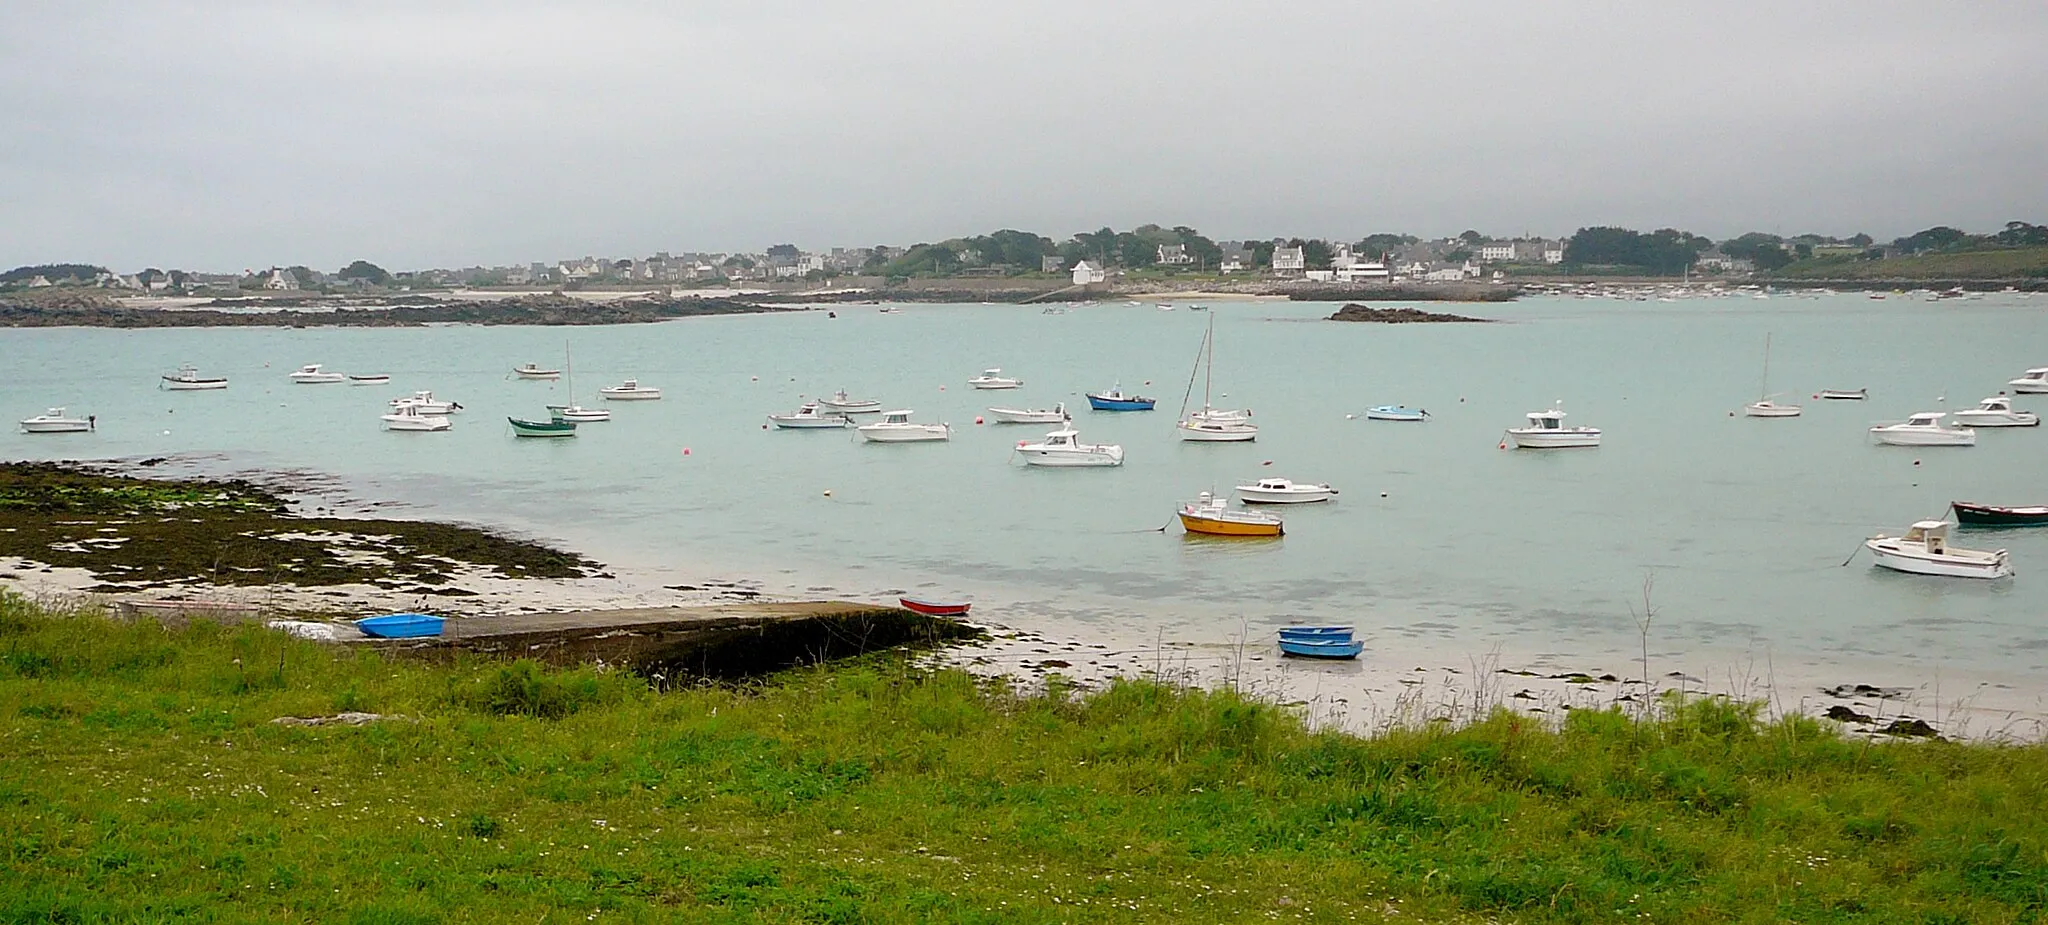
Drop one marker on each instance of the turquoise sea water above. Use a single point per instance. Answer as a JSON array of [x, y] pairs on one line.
[[1742, 522]]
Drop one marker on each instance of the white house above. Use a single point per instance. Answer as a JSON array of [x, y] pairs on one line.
[[1088, 272], [1175, 255], [1553, 252], [281, 279], [1289, 260], [1497, 251], [1234, 261], [1361, 271]]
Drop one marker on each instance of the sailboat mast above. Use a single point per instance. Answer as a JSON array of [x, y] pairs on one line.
[[1209, 368], [1764, 388]]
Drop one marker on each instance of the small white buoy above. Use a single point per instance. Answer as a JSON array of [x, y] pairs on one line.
[[753, 378], [828, 492], [1350, 417]]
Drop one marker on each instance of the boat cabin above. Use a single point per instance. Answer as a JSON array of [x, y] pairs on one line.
[[1925, 419], [1546, 420], [1061, 439], [1995, 403], [896, 417], [1275, 485], [1933, 534]]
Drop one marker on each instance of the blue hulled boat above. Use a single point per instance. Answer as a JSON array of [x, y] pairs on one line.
[[1305, 647], [400, 626], [1315, 632], [1116, 400]]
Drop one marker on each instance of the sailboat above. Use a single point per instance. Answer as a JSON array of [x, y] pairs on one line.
[[573, 412], [1212, 425], [1764, 407]]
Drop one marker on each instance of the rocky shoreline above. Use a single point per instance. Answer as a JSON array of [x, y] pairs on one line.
[[1366, 313], [403, 311]]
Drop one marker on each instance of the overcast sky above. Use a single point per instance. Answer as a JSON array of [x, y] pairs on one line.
[[218, 136]]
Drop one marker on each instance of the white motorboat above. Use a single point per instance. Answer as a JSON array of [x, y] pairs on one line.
[[1924, 428], [311, 374], [55, 421], [187, 379], [2035, 381], [1764, 407], [896, 427], [1996, 411], [409, 416], [533, 371], [579, 414], [1054, 415], [1283, 491], [840, 402], [1546, 431], [808, 417], [994, 379], [1063, 447], [1924, 550], [426, 403], [631, 390], [378, 379], [1844, 394]]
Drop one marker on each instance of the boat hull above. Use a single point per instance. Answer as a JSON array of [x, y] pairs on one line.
[[193, 385], [401, 626], [1016, 416], [1985, 515], [1997, 418], [1317, 648], [793, 422], [1071, 459], [542, 428], [583, 415], [1098, 403], [996, 386], [2028, 386], [922, 433], [369, 380], [1552, 439], [66, 426], [1942, 437], [1253, 495], [1396, 414], [317, 378], [538, 373], [1764, 409], [632, 395], [1316, 632], [935, 608], [419, 423], [1208, 526], [1904, 559], [1843, 395], [1217, 433]]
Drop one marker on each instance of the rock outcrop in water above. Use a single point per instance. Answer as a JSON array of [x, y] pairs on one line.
[[1357, 312]]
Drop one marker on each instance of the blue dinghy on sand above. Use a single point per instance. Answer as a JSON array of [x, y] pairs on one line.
[[1319, 642], [400, 626]]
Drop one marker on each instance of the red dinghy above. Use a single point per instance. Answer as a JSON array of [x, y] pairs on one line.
[[934, 608]]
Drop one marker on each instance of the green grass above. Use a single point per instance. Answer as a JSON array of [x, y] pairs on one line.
[[2004, 263], [142, 780]]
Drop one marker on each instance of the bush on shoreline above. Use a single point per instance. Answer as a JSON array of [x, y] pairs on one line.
[[145, 780]]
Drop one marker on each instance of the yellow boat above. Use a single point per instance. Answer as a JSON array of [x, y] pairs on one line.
[[1210, 516]]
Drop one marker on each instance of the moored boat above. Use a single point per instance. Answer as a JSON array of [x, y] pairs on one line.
[[579, 414], [931, 608], [311, 374], [808, 417], [425, 401], [1764, 407], [1053, 415], [843, 404], [401, 626], [410, 417], [378, 379], [2033, 381], [1063, 447], [1546, 431], [1284, 491], [533, 371], [557, 427], [55, 421], [1972, 514], [1114, 399], [1996, 411], [1305, 647], [994, 379], [1924, 550], [1213, 516], [631, 390], [1316, 632], [896, 427], [187, 379], [1842, 394], [1924, 428], [1396, 413]]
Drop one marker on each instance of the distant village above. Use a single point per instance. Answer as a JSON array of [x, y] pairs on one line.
[[1145, 254]]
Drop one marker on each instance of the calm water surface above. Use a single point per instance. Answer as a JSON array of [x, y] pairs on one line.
[[1743, 523]]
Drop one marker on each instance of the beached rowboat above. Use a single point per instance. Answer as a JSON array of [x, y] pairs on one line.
[[932, 608], [400, 626]]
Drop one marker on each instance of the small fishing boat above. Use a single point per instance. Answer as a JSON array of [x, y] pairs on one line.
[[1213, 516], [1970, 514], [401, 626], [1996, 411], [311, 374], [1924, 428], [1063, 447], [1843, 394], [533, 371], [410, 417], [557, 427], [808, 417], [1396, 413], [1304, 647], [579, 414], [1114, 399], [425, 401], [843, 404], [1283, 491], [1316, 632], [631, 390], [1764, 407], [896, 427], [55, 421], [2034, 381], [1546, 431], [187, 379], [1053, 415], [369, 380], [1924, 550], [931, 608], [994, 379]]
